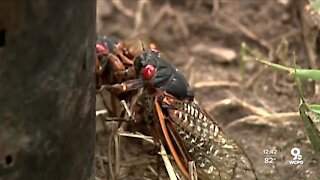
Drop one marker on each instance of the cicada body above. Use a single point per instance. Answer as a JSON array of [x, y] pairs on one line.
[[186, 129], [107, 62]]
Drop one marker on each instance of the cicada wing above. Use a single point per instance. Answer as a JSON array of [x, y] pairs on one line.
[[216, 155], [168, 140]]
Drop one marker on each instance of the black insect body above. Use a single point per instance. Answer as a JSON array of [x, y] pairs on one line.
[[162, 75]]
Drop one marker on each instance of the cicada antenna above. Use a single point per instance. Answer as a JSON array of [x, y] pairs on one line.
[[142, 45]]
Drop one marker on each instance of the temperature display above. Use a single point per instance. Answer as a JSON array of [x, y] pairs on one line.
[[271, 156]]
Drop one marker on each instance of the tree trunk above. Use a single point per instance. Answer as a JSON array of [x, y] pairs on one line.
[[47, 99]]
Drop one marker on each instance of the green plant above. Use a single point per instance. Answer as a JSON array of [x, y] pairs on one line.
[[309, 113]]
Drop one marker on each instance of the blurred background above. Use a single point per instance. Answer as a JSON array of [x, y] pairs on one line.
[[215, 44]]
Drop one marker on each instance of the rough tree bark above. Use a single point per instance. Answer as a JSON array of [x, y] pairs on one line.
[[47, 99]]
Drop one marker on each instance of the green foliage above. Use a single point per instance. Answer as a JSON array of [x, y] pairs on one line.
[[309, 123], [312, 74], [315, 108], [309, 113], [310, 116], [243, 55]]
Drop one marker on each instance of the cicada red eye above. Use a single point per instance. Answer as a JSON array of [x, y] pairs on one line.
[[100, 48], [148, 72]]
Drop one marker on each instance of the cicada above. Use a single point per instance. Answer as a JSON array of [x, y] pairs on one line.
[[115, 56], [180, 123]]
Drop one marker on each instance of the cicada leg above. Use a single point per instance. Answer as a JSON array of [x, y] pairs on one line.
[[120, 50], [126, 86]]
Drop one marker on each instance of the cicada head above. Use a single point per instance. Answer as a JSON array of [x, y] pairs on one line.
[[147, 62]]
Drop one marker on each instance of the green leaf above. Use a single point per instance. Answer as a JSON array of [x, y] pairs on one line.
[[300, 73], [312, 131], [308, 74], [310, 116], [315, 108]]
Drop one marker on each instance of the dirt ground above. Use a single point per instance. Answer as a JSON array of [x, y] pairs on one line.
[[255, 105]]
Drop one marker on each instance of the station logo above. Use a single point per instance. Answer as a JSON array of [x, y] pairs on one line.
[[297, 157]]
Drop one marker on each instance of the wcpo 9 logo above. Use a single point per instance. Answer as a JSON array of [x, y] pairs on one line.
[[297, 157]]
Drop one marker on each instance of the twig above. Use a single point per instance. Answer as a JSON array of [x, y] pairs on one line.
[[167, 9], [162, 12], [123, 102], [138, 15], [263, 103], [183, 26], [135, 99], [134, 162], [101, 112], [246, 31], [110, 147], [117, 119], [135, 135], [286, 35], [253, 78], [110, 162], [126, 11], [100, 161], [154, 172], [223, 54], [235, 101], [266, 120], [167, 163], [163, 153], [215, 84], [140, 160], [117, 154], [254, 109]]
